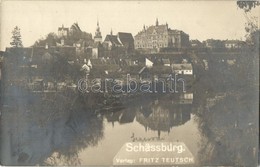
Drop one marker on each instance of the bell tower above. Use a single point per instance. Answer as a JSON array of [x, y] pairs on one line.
[[98, 36]]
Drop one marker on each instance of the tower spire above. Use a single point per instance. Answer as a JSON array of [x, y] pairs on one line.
[[157, 22], [98, 36]]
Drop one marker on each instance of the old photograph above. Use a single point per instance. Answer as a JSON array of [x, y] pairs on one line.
[[129, 83]]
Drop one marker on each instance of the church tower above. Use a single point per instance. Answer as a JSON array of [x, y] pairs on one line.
[[98, 36]]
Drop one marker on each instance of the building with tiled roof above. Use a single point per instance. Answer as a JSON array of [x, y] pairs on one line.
[[233, 44], [122, 43], [111, 41], [185, 68], [126, 40], [160, 36], [63, 32]]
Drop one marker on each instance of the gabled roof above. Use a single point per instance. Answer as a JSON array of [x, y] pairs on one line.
[[182, 67], [134, 70], [166, 61], [125, 38], [113, 39], [160, 29], [75, 27]]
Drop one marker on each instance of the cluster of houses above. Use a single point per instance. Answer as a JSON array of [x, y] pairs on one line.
[[47, 68], [217, 44], [116, 56]]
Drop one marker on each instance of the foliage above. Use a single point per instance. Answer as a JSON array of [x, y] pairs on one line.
[[247, 5], [75, 36], [251, 27], [16, 38], [50, 39]]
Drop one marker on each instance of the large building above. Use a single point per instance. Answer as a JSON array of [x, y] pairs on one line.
[[63, 32], [122, 43], [161, 36]]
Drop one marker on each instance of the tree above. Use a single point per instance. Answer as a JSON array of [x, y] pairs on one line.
[[51, 39], [251, 26], [247, 5], [16, 38]]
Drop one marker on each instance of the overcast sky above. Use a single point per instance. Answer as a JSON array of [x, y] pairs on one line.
[[200, 19]]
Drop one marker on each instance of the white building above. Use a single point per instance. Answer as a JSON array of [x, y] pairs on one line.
[[63, 32], [185, 69]]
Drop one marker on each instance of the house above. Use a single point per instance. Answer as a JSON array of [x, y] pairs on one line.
[[129, 62], [148, 63], [85, 68], [80, 46], [111, 41], [122, 43], [137, 72], [185, 69], [196, 43], [162, 72], [214, 43], [166, 62], [103, 67], [233, 44], [127, 40], [63, 32]]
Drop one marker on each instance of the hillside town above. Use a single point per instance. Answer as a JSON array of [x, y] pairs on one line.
[[59, 61], [71, 97]]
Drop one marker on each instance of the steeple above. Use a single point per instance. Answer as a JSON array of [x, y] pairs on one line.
[[144, 27], [98, 36], [157, 22], [111, 32], [98, 28]]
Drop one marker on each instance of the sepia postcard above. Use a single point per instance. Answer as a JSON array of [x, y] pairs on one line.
[[129, 83]]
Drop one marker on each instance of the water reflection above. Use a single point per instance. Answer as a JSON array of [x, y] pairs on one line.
[[68, 129], [161, 116], [48, 131], [229, 130]]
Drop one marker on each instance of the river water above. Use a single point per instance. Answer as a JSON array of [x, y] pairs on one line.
[[61, 129]]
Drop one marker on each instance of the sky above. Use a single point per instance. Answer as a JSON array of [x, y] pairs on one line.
[[200, 19]]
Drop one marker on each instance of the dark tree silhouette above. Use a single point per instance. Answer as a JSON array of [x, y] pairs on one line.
[[16, 38], [247, 5]]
